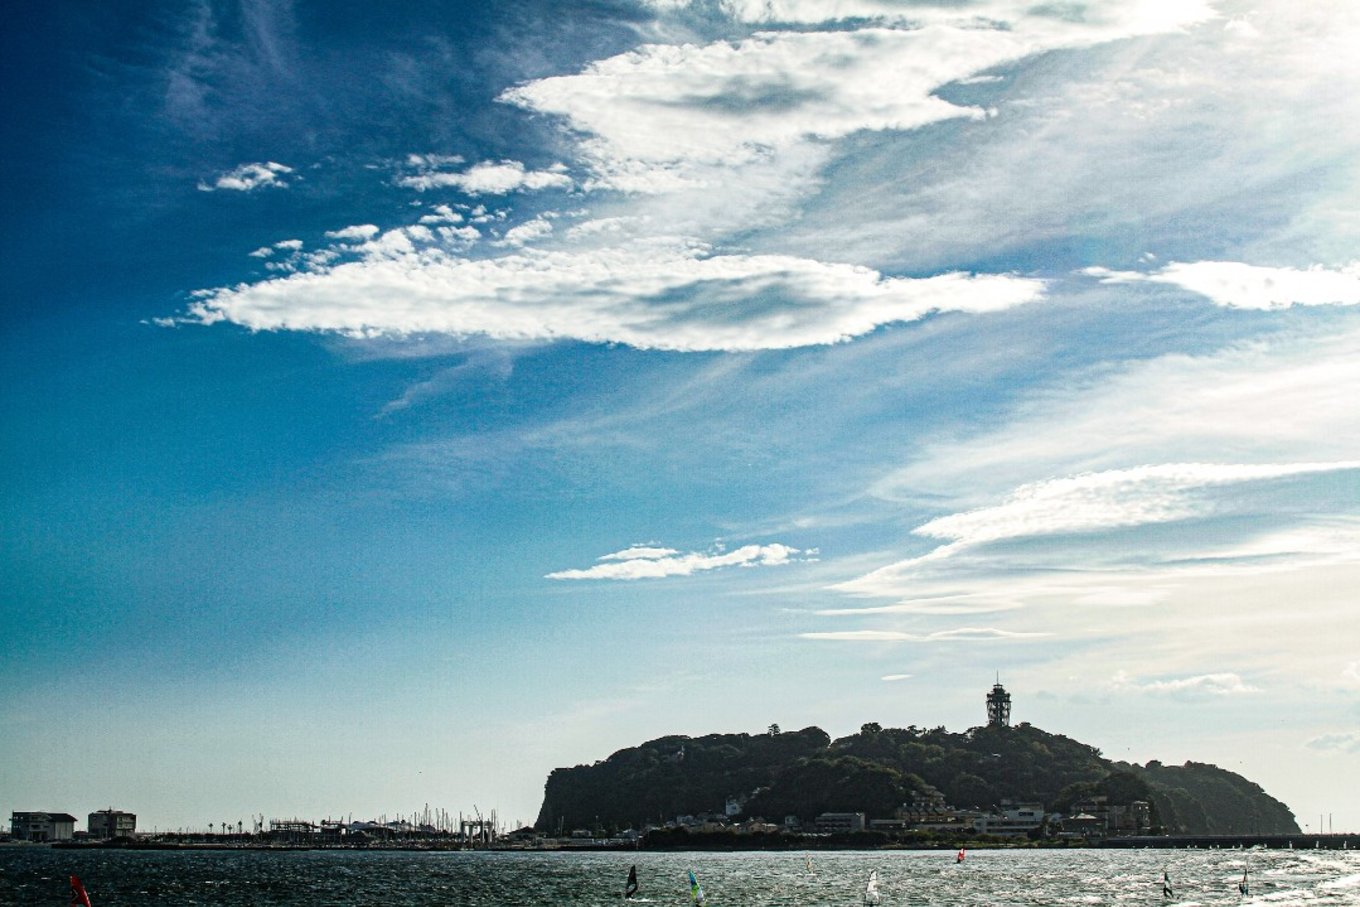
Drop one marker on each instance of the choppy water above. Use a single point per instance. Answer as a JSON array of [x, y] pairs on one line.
[[37, 877]]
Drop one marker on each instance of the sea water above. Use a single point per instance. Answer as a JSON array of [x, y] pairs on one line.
[[38, 877]]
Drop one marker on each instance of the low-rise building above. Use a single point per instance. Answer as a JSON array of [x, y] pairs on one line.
[[1013, 820], [111, 823], [1118, 818], [830, 823], [42, 827]]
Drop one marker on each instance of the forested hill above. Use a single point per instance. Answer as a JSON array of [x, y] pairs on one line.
[[805, 773]]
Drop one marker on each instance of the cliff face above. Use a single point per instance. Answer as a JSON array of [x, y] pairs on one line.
[[804, 773]]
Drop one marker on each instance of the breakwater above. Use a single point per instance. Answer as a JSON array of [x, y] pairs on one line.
[[1228, 842]]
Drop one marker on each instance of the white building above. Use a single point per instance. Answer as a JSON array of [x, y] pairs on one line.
[[41, 827]]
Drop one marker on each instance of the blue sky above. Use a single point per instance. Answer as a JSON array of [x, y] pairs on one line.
[[399, 405]]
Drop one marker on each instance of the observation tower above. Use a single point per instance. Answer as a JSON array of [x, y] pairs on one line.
[[998, 706]]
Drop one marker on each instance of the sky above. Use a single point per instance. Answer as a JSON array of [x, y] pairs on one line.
[[400, 403]]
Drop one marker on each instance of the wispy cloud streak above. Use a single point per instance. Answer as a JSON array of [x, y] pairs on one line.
[[1242, 286], [648, 562]]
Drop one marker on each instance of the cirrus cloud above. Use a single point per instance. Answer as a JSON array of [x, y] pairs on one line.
[[958, 634], [1109, 499]]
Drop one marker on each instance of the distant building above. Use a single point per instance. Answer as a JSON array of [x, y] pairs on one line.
[[926, 806], [42, 827], [1014, 820], [111, 823], [830, 823], [1117, 818], [998, 707]]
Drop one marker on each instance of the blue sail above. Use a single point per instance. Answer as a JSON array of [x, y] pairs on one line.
[[696, 891]]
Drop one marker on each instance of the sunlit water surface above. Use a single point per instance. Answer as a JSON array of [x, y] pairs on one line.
[[38, 876]]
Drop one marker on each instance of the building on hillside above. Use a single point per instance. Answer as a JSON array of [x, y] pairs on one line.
[[1013, 820], [111, 823], [1082, 826], [1118, 818], [831, 823], [42, 827], [926, 806]]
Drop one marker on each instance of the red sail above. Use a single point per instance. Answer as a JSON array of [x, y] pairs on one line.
[[78, 896]]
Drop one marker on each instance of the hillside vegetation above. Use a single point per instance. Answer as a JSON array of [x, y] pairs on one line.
[[805, 773]]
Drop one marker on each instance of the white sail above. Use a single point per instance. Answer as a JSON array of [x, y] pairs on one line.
[[871, 889]]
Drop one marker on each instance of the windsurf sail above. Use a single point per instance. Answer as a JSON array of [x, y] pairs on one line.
[[962, 854], [78, 896], [1167, 892], [630, 887], [1243, 887], [696, 891], [871, 889]]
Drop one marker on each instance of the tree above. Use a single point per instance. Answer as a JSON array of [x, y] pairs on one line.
[[871, 729], [774, 730]]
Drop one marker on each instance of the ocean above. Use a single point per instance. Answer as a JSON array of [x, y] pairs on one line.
[[38, 877]]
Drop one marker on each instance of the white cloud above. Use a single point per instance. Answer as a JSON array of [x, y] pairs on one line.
[[651, 563], [433, 161], [959, 634], [443, 214], [248, 177], [527, 232], [1159, 142], [492, 178], [640, 552], [357, 232], [1243, 286], [681, 106], [1221, 684], [290, 245], [608, 295], [1085, 18], [730, 136], [895, 677], [1341, 742]]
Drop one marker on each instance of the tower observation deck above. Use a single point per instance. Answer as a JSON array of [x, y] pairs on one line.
[[998, 707]]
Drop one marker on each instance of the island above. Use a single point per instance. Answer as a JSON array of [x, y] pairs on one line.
[[909, 786]]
